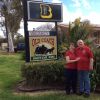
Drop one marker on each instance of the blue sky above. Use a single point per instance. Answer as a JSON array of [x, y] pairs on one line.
[[86, 9]]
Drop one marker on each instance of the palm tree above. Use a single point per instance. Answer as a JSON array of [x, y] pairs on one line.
[[79, 30]]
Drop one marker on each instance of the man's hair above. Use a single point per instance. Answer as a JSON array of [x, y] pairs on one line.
[[80, 41]]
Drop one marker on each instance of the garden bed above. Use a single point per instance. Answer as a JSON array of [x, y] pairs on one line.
[[22, 87]]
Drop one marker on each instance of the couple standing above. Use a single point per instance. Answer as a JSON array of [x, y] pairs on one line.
[[79, 61]]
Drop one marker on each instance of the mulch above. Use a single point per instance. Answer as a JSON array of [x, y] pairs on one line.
[[21, 87]]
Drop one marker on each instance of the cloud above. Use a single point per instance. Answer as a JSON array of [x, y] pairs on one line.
[[56, 1], [76, 3], [86, 4], [70, 16], [93, 17], [81, 3]]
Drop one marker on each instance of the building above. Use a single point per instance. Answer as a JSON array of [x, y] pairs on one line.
[[4, 46], [95, 34]]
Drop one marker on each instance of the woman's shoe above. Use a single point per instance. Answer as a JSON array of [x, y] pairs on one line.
[[80, 93]]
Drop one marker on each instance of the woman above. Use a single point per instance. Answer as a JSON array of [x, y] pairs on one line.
[[71, 69]]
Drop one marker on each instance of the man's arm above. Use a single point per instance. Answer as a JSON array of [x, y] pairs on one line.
[[91, 63]]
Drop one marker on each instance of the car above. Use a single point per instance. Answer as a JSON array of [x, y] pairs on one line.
[[20, 47]]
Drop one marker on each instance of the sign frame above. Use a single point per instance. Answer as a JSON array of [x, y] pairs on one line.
[[44, 19], [50, 47]]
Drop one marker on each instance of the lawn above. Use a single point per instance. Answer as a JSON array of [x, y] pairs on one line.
[[10, 75]]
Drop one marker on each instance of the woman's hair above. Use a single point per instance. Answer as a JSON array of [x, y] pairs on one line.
[[71, 43]]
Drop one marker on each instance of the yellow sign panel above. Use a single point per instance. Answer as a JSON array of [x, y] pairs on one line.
[[40, 11], [43, 48], [46, 11]]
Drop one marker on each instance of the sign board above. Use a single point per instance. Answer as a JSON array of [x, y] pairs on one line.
[[40, 11], [43, 48], [39, 33]]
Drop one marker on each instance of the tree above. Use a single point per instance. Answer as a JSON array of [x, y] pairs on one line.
[[11, 11], [79, 30]]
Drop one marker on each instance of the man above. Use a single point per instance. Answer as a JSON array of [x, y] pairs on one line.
[[84, 65]]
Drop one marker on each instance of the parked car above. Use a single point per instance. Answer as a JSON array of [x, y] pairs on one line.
[[20, 47]]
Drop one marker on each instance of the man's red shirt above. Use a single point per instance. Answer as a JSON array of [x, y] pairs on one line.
[[85, 54], [72, 56]]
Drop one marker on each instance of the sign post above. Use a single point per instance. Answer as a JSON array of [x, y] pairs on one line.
[[26, 31]]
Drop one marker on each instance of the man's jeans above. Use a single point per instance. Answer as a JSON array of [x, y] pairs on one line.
[[84, 81]]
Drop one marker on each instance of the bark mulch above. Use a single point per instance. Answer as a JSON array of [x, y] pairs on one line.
[[21, 87]]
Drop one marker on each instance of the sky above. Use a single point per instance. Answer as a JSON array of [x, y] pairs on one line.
[[85, 9], [72, 9]]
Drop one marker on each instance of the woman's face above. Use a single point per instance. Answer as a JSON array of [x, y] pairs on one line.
[[71, 47]]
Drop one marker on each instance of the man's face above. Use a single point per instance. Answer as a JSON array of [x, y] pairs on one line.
[[80, 43]]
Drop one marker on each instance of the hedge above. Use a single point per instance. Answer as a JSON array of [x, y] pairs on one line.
[[43, 73], [51, 73]]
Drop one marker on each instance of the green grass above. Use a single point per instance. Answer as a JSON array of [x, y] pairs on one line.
[[10, 75]]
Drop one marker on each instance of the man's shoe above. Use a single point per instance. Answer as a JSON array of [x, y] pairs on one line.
[[86, 95]]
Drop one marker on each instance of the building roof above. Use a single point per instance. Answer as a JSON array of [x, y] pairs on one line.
[[95, 26]]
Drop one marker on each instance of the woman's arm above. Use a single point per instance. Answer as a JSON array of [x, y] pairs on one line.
[[71, 61]]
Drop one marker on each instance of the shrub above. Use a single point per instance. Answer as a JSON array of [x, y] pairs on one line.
[[50, 73], [93, 79], [95, 74], [43, 73], [97, 64]]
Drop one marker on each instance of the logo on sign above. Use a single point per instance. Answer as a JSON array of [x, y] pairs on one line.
[[46, 11]]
